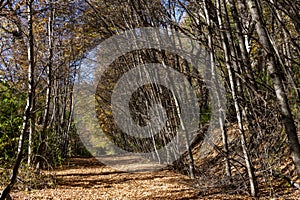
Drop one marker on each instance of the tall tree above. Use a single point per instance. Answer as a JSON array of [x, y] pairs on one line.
[[275, 74], [28, 109]]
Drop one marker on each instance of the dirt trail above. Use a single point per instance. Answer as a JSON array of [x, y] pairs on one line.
[[86, 178]]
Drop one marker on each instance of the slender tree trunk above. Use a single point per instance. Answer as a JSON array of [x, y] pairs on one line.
[[31, 126], [286, 114], [245, 61], [41, 150], [250, 171], [187, 143], [183, 126], [233, 85], [27, 112], [217, 87], [286, 63]]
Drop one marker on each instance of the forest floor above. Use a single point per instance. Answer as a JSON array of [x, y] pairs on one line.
[[87, 178]]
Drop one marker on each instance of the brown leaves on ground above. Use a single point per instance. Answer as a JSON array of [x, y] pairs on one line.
[[86, 178]]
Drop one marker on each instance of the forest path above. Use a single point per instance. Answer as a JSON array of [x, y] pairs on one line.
[[87, 178]]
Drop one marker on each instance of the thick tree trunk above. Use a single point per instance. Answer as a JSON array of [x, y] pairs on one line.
[[286, 114]]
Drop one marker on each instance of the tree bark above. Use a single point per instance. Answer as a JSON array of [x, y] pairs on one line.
[[227, 42], [245, 61], [28, 109], [217, 87], [282, 99], [41, 149]]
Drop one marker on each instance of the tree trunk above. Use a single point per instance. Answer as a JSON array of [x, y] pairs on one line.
[[233, 85], [31, 126], [285, 110], [41, 150], [218, 92], [28, 109], [245, 61]]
